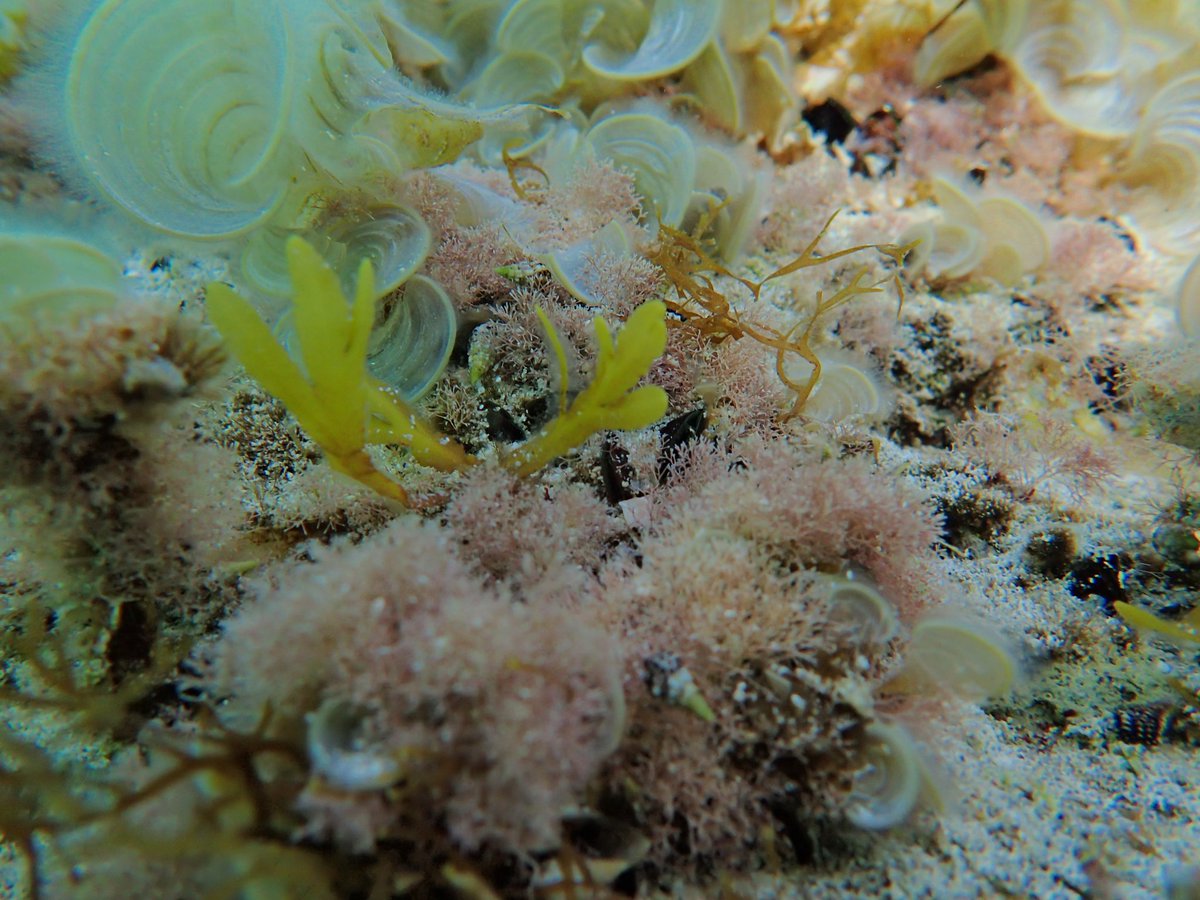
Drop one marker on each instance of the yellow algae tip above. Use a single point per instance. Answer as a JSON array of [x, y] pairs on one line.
[[1185, 632]]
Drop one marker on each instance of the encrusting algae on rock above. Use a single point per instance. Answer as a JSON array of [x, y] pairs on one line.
[[589, 448]]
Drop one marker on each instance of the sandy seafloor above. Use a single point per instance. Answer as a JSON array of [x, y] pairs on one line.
[[1042, 793]]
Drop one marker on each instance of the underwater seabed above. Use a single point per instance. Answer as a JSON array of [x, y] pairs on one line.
[[600, 448]]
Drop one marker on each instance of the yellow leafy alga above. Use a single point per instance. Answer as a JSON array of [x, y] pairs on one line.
[[344, 408], [1185, 631], [611, 400], [333, 397]]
